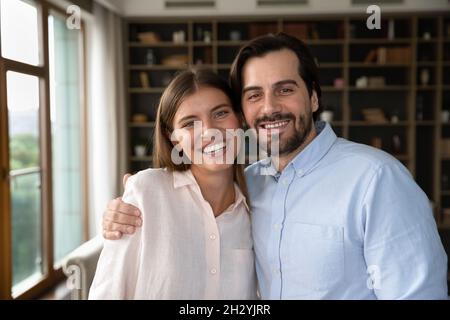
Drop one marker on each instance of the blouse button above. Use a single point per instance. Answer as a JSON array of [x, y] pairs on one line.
[[212, 236], [213, 271]]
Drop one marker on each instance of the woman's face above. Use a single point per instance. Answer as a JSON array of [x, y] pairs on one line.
[[204, 125]]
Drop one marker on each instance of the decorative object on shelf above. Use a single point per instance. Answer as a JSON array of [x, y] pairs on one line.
[[140, 150], [139, 118], [396, 144], [445, 116], [419, 108], [179, 37], [372, 82], [339, 83], [175, 60], [376, 142], [314, 33], [207, 36], [298, 30], [424, 77], [394, 116], [362, 82], [426, 36], [374, 115], [235, 35], [391, 29], [149, 37], [327, 116], [376, 82], [150, 57], [143, 77], [382, 55], [445, 147]]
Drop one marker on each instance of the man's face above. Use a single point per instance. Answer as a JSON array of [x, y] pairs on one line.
[[275, 99]]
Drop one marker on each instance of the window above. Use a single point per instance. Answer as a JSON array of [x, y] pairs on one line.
[[42, 186], [66, 131]]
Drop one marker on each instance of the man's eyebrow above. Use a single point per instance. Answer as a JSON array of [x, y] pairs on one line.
[[283, 82], [276, 84], [250, 89]]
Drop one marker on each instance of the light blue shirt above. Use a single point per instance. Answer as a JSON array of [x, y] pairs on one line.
[[343, 221]]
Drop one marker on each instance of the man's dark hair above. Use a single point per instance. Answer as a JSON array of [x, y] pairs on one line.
[[261, 46]]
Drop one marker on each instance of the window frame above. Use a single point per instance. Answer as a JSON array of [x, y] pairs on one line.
[[51, 275]]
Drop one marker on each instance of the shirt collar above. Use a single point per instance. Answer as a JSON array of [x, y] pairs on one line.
[[311, 155], [183, 178], [186, 178]]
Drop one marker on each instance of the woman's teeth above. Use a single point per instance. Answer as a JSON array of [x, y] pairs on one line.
[[214, 148], [275, 125]]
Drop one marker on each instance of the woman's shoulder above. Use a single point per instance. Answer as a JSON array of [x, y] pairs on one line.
[[154, 178]]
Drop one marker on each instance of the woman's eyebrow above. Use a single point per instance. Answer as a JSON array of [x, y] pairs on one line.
[[220, 106], [185, 118]]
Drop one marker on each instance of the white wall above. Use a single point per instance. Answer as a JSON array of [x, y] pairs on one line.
[[136, 8]]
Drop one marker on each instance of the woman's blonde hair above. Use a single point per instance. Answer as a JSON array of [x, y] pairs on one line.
[[183, 85]]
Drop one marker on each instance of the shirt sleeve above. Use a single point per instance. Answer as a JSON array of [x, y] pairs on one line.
[[402, 248], [118, 266]]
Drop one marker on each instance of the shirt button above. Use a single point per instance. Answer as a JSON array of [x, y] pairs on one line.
[[213, 271], [277, 226], [275, 270], [212, 236], [285, 182]]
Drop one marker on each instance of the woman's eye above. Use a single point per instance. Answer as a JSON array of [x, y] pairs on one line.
[[188, 124]]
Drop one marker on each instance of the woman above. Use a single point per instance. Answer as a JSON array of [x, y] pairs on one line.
[[195, 242]]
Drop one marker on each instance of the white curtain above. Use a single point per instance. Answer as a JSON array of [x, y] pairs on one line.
[[107, 116]]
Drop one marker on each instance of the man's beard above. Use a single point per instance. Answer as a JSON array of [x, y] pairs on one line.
[[302, 129]]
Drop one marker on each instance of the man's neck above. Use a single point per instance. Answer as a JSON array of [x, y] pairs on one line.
[[284, 160]]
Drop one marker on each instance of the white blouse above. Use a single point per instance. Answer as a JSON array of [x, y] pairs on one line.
[[182, 251]]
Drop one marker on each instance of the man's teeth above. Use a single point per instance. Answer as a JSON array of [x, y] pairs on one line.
[[275, 125], [214, 147]]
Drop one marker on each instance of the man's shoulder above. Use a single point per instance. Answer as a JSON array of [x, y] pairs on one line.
[[255, 168], [359, 154]]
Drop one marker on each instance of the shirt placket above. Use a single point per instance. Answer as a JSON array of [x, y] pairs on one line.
[[212, 254], [277, 224]]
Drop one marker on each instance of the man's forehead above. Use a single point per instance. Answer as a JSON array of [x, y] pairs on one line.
[[273, 67]]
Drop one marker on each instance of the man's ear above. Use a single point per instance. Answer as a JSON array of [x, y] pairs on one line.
[[314, 101]]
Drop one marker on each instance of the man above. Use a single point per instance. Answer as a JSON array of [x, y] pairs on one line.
[[331, 219]]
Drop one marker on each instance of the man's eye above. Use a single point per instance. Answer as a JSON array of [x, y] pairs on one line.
[[286, 90], [253, 96], [221, 114]]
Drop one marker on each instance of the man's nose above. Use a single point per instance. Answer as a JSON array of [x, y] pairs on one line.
[[269, 105]]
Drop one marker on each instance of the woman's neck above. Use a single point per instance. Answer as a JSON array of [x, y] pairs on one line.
[[217, 188]]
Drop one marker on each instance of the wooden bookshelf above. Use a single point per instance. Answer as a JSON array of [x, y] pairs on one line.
[[414, 88]]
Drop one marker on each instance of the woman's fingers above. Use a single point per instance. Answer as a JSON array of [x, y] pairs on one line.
[[118, 205], [112, 235], [110, 226]]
